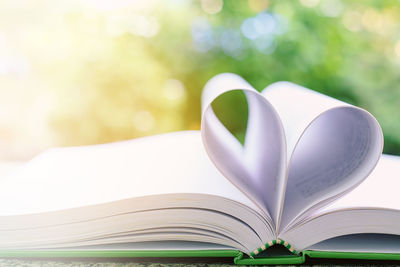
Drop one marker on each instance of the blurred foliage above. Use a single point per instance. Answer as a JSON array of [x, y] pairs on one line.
[[231, 108], [85, 72]]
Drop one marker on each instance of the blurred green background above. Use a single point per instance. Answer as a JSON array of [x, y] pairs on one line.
[[85, 71]]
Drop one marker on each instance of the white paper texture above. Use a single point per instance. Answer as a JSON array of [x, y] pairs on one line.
[[258, 168], [331, 146], [65, 178]]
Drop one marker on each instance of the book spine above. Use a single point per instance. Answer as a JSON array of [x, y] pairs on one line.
[[270, 244]]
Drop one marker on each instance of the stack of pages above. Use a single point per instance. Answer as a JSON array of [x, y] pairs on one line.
[[309, 176]]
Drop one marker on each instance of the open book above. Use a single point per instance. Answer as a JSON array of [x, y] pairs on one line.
[[309, 176]]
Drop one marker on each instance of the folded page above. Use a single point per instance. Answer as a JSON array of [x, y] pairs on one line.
[[332, 147], [258, 167]]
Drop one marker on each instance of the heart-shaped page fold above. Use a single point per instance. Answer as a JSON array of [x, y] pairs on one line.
[[258, 167], [332, 147]]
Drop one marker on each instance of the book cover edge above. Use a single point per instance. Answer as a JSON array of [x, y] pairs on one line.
[[239, 257]]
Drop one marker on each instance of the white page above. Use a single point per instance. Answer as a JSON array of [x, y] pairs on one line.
[[72, 177], [257, 168], [7, 167], [158, 245], [332, 146], [297, 107], [379, 190], [373, 243]]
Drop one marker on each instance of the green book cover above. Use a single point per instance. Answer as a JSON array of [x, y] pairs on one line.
[[237, 256]]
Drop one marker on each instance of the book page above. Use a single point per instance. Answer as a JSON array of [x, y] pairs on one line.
[[156, 245], [379, 190], [7, 167], [65, 178], [368, 243], [258, 167], [332, 147]]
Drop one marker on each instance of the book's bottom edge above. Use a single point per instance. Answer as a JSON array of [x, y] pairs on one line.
[[352, 255], [302, 257], [237, 256]]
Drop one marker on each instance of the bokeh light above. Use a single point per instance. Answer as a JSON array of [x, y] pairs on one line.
[[211, 6], [86, 71]]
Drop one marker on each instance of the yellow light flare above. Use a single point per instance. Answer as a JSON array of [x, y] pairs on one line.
[[212, 6]]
